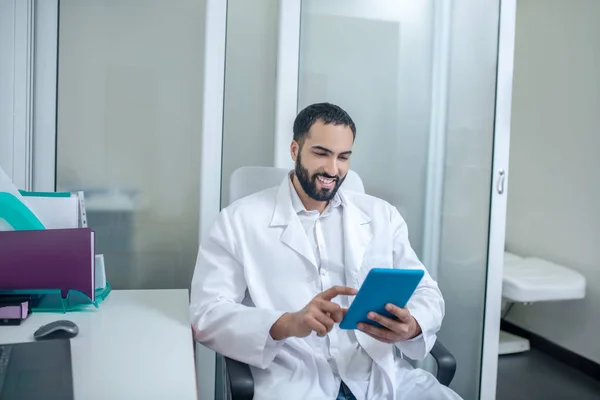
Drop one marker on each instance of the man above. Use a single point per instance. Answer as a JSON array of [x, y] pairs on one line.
[[276, 272]]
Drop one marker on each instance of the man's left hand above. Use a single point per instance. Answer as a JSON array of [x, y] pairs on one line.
[[404, 327]]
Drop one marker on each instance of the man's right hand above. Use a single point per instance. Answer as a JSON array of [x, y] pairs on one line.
[[319, 316]]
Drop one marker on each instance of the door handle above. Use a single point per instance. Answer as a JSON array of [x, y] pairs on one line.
[[501, 180]]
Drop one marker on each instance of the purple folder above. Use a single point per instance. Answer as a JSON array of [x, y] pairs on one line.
[[48, 259]]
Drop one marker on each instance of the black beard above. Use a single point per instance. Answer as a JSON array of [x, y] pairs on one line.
[[309, 183]]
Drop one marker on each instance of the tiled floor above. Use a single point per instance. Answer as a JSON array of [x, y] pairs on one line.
[[535, 375]]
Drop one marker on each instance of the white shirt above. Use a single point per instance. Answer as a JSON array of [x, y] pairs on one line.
[[348, 361]]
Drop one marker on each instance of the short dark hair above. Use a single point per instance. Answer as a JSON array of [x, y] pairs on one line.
[[327, 113]]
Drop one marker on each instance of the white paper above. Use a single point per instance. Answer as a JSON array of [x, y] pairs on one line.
[[100, 272], [56, 212]]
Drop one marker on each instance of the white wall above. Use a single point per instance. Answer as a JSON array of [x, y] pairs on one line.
[[6, 84], [554, 191], [250, 79]]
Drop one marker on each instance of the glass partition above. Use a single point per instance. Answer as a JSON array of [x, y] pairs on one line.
[[129, 132], [381, 62]]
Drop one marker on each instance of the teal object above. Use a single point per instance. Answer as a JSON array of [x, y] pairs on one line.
[[17, 215], [75, 301], [51, 300], [44, 194]]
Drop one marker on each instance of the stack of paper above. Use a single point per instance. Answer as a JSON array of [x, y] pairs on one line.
[[56, 212]]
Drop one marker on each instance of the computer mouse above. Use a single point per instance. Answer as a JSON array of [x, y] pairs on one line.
[[61, 329]]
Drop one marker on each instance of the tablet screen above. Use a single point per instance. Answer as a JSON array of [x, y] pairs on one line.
[[381, 286]]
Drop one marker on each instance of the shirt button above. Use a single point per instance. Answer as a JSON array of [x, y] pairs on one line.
[[323, 272]]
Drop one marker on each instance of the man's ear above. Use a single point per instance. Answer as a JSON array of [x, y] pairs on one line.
[[294, 150]]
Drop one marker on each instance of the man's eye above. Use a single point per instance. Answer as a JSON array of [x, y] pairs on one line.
[[321, 154]]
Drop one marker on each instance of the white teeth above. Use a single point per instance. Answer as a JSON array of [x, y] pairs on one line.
[[325, 180]]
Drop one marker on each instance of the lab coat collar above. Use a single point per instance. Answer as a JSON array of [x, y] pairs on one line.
[[357, 230], [285, 215]]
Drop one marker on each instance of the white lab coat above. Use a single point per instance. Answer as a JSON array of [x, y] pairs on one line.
[[255, 265]]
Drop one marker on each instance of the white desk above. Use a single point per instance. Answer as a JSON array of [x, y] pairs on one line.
[[137, 345]]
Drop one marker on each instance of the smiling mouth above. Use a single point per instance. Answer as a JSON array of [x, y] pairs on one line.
[[326, 182]]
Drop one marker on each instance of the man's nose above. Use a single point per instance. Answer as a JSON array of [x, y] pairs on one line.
[[331, 168]]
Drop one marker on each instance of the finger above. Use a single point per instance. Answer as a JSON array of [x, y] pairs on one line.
[[334, 310], [382, 333], [401, 313], [344, 311], [315, 325], [381, 339], [328, 306], [336, 291], [324, 320], [393, 325]]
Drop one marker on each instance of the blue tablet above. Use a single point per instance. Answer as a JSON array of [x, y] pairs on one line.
[[381, 286]]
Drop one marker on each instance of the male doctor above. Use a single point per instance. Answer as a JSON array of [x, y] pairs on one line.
[[278, 269]]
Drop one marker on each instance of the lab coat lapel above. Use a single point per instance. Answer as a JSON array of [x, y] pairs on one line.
[[293, 235], [357, 236]]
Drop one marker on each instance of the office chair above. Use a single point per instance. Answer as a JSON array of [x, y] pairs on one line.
[[247, 180]]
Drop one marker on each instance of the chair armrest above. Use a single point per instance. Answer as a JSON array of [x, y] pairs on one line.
[[446, 363], [241, 382]]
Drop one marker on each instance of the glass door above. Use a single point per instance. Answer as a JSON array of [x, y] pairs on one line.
[[422, 83]]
